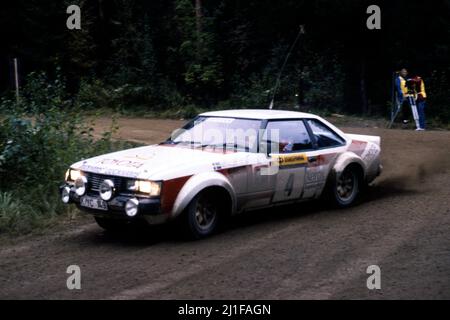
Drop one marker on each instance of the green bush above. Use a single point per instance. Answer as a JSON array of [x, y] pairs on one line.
[[16, 217], [95, 94], [39, 139]]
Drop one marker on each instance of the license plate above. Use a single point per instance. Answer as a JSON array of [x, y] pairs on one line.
[[93, 203]]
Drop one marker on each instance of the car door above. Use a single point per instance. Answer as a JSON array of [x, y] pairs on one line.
[[290, 146], [327, 146], [260, 182]]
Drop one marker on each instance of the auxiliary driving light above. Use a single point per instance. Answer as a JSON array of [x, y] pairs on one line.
[[106, 189], [131, 207], [65, 195], [80, 185]]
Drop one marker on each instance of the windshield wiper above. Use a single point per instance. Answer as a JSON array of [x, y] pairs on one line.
[[181, 142], [206, 145]]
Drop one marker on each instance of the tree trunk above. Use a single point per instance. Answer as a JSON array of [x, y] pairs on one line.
[[362, 87], [100, 10], [198, 22]]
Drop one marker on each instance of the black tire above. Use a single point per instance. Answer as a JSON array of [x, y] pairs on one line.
[[202, 216], [112, 225], [343, 190]]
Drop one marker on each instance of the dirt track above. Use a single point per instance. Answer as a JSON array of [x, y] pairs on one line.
[[295, 252]]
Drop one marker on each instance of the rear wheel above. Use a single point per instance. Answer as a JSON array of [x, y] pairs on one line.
[[344, 189]]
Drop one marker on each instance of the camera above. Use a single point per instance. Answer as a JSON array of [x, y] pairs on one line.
[[413, 85]]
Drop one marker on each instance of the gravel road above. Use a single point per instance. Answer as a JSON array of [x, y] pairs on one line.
[[294, 252]]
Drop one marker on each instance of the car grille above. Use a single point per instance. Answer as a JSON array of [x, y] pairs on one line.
[[94, 181]]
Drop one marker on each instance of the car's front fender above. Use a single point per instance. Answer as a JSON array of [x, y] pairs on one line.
[[197, 183]]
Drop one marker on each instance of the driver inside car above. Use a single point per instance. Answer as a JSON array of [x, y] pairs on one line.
[[287, 146]]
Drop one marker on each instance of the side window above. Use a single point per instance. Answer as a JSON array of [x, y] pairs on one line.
[[287, 136], [324, 136]]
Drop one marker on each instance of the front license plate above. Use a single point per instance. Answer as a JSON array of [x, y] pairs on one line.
[[93, 203]]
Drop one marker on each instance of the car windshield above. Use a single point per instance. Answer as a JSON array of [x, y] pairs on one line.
[[219, 132]]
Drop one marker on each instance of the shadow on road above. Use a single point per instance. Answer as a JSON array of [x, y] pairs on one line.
[[153, 235], [145, 236]]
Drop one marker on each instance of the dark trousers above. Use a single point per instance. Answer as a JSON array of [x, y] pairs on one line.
[[405, 110], [421, 112]]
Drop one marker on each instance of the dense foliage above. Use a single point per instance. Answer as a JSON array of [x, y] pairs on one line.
[[39, 138], [159, 54]]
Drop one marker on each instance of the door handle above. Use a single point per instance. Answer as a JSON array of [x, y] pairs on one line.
[[312, 159], [258, 168]]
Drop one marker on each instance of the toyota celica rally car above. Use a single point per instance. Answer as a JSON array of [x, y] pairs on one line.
[[223, 163]]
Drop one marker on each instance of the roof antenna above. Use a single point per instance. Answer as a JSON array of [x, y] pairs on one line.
[[277, 83]]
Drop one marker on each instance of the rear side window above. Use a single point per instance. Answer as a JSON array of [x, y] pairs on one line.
[[287, 136], [324, 136]]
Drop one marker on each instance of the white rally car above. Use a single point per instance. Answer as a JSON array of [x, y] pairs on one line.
[[223, 163]]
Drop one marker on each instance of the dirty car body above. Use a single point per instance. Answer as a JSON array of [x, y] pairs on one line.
[[224, 163]]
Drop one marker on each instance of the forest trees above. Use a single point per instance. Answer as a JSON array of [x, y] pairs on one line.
[[172, 53], [202, 63]]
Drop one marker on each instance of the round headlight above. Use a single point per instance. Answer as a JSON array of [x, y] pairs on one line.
[[65, 195], [106, 189], [80, 185], [131, 207]]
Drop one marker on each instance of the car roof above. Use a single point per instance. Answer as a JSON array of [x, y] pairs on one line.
[[266, 114], [258, 114]]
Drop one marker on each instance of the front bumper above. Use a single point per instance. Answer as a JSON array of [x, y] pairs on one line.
[[148, 208]]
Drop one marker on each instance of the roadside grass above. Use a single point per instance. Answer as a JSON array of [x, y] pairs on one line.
[[33, 207]]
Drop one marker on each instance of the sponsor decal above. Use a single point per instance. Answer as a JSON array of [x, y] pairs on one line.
[[291, 159], [109, 171], [217, 166], [121, 163], [142, 158], [370, 153], [315, 175]]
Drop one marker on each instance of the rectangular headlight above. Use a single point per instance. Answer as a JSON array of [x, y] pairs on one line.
[[72, 175], [151, 188]]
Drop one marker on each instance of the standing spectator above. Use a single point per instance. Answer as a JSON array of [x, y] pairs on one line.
[[414, 87], [401, 92], [420, 97]]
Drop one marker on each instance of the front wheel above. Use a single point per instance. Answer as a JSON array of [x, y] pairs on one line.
[[201, 218], [344, 189]]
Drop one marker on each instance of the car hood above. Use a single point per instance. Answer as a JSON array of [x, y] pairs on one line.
[[163, 162]]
